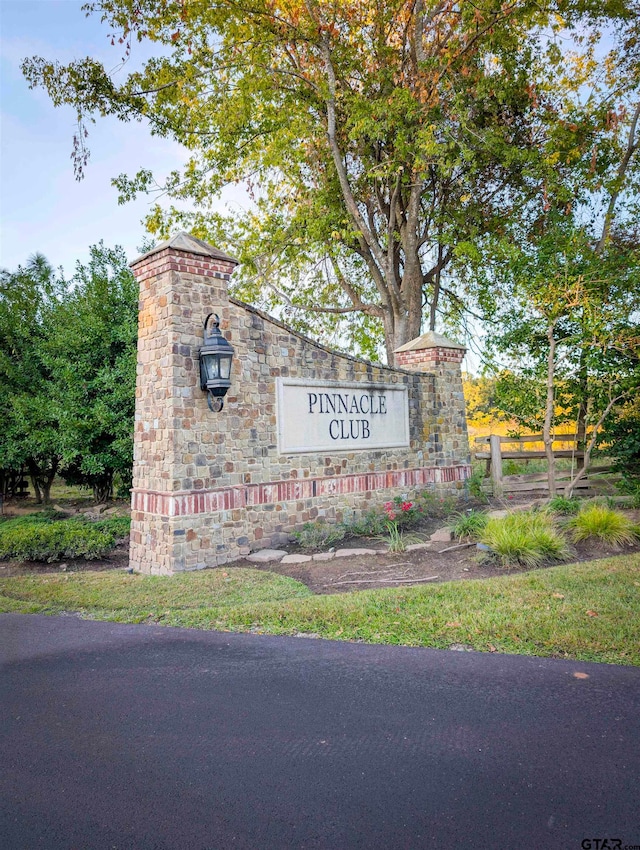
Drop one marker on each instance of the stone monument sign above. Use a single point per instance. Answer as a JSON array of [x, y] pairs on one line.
[[305, 432]]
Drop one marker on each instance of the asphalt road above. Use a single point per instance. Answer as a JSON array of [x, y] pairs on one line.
[[141, 737]]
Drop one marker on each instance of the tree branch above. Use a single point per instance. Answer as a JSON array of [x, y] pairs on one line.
[[632, 147]]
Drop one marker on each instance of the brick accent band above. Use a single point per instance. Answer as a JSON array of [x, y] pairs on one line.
[[249, 495]]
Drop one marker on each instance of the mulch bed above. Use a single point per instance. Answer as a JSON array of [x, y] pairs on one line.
[[356, 572], [426, 566]]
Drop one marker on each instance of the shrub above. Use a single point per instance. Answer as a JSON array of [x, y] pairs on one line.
[[524, 538], [469, 526], [402, 512], [474, 484], [434, 506], [371, 524], [317, 535], [119, 526], [597, 520], [42, 540]]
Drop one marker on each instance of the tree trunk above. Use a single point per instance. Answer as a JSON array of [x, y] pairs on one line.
[[402, 321], [103, 489], [42, 480], [549, 411], [45, 486], [581, 424], [34, 474]]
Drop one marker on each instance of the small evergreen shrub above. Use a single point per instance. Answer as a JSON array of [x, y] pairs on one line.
[[524, 538], [597, 520], [318, 535]]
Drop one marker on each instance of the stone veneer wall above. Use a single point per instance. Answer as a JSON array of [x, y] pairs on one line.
[[209, 487]]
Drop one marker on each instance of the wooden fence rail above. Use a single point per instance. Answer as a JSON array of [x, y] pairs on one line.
[[597, 480]]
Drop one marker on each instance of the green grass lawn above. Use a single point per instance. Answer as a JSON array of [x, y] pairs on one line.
[[588, 611]]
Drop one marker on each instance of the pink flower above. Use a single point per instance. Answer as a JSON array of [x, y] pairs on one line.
[[391, 515]]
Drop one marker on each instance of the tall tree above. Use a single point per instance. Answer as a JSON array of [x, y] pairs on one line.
[[67, 373], [91, 354], [570, 331], [381, 139], [30, 438], [561, 281]]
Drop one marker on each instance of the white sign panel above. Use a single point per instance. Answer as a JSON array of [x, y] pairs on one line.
[[323, 416]]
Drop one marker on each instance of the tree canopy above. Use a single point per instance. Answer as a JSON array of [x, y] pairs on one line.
[[67, 373], [382, 141]]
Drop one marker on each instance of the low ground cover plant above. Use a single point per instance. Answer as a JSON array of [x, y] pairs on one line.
[[45, 536], [526, 538], [601, 522], [319, 535]]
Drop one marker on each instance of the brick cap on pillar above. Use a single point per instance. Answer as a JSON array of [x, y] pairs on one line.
[[190, 245], [429, 340]]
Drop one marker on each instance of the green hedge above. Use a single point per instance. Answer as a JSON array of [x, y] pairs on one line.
[[35, 538]]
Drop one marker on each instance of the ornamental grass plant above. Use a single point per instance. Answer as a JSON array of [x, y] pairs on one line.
[[319, 535], [604, 523], [526, 539], [470, 525], [562, 505]]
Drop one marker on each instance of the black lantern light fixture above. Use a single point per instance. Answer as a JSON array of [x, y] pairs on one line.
[[215, 364]]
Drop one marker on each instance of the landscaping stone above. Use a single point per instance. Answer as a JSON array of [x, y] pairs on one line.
[[264, 556], [346, 553], [500, 514], [442, 535], [415, 547], [324, 556], [296, 559]]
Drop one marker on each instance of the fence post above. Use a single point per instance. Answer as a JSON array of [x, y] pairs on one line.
[[496, 464]]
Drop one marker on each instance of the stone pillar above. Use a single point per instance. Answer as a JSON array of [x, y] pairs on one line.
[[181, 281], [434, 354]]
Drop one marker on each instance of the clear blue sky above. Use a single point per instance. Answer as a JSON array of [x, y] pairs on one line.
[[42, 207]]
